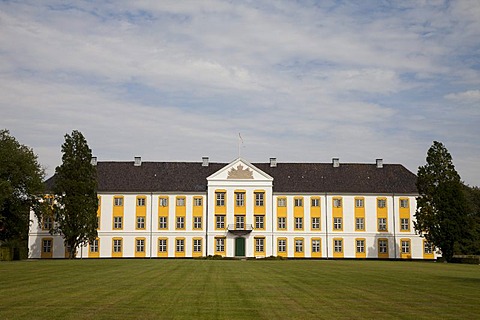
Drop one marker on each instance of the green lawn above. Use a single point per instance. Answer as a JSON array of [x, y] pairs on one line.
[[226, 289]]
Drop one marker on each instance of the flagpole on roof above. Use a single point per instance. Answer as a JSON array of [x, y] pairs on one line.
[[240, 142]]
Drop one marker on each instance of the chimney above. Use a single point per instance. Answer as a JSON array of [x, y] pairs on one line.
[[204, 161], [93, 161], [273, 162], [138, 161], [336, 162], [379, 163]]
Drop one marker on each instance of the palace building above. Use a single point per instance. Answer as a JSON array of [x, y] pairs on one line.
[[242, 209]]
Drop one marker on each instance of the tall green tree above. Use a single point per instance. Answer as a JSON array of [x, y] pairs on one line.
[[441, 215], [21, 188], [75, 191]]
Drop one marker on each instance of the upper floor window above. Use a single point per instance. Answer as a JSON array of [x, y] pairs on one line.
[[337, 203], [382, 224], [337, 223], [163, 202], [259, 199], [382, 203], [298, 202], [118, 201], [180, 202], [47, 223], [117, 222], [315, 202], [404, 224], [141, 202], [220, 199], [403, 203], [240, 199], [197, 202], [282, 202], [359, 203], [140, 222]]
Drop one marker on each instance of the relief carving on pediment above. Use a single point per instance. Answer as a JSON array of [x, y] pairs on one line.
[[240, 173]]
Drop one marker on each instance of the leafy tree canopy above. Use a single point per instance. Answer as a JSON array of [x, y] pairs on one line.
[[21, 185], [441, 215], [75, 191]]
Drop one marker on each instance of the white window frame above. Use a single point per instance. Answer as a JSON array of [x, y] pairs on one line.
[[315, 245], [382, 224], [117, 222], [197, 245], [139, 245], [359, 203], [141, 222], [117, 245], [282, 223], [240, 199], [315, 223], [315, 202], [298, 223], [282, 245], [381, 203], [299, 245], [404, 224], [405, 246], [219, 221], [118, 201], [259, 244], [179, 245], [141, 202], [337, 223], [220, 244], [162, 222], [162, 245], [360, 246], [359, 223], [259, 199], [197, 222], [180, 202], [281, 202], [180, 222], [338, 245], [259, 222], [298, 202], [220, 199]]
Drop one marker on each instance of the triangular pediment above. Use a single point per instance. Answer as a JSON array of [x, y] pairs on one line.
[[239, 169]]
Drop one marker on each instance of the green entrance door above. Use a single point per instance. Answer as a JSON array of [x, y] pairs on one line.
[[240, 247]]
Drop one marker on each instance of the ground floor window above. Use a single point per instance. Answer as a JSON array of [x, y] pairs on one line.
[[338, 246]]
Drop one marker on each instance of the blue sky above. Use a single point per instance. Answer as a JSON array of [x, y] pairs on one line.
[[301, 80]]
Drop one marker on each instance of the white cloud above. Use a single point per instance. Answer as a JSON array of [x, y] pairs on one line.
[[176, 80]]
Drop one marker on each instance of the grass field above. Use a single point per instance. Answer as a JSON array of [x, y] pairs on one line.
[[226, 289]]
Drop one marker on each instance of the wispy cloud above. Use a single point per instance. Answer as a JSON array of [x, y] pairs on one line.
[[303, 81]]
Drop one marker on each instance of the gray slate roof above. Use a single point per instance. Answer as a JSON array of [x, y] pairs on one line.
[[118, 177]]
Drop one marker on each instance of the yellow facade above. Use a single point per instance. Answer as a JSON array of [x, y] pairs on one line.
[[240, 208], [315, 212], [337, 212], [404, 213], [220, 208], [259, 208], [382, 213], [359, 212]]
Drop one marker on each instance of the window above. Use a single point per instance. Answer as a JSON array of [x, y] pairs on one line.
[[298, 202], [259, 244], [117, 245], [298, 223], [427, 247], [239, 222], [282, 223], [315, 245], [403, 203], [337, 203], [47, 223], [220, 198], [180, 245], [162, 245], [140, 245], [404, 224], [359, 203], [337, 223], [382, 246], [180, 223], [259, 222], [141, 202], [197, 222], [315, 202], [220, 222], [282, 245], [382, 224], [197, 202], [360, 223], [338, 246], [162, 222], [117, 222], [163, 202], [47, 246], [180, 202], [220, 244], [298, 245], [259, 199], [239, 199], [405, 246], [381, 203], [94, 246], [117, 201], [315, 223], [281, 202], [140, 222], [360, 244], [197, 245]]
